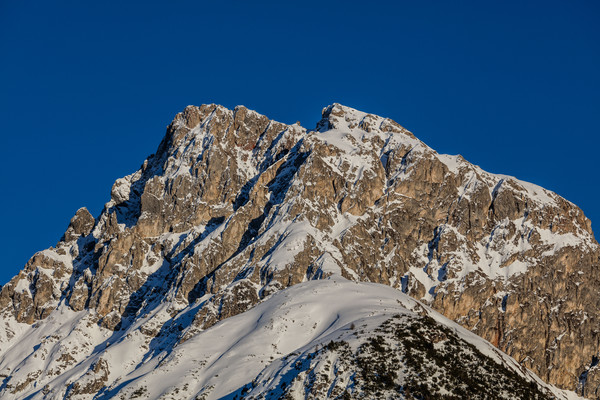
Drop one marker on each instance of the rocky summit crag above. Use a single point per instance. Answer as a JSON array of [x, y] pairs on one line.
[[234, 207]]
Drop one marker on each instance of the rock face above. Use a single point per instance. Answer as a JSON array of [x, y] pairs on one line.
[[234, 207]]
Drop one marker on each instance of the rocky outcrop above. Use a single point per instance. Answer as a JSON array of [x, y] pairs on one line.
[[234, 206]]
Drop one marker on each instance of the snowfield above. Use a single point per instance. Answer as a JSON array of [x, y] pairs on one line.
[[245, 355]]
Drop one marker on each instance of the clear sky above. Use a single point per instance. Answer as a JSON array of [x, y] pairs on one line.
[[87, 88]]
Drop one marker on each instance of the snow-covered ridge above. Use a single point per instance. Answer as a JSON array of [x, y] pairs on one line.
[[228, 357], [342, 121]]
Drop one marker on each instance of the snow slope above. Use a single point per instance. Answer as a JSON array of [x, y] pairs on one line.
[[225, 360]]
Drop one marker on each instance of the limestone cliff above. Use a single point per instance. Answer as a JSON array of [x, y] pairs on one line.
[[234, 207]]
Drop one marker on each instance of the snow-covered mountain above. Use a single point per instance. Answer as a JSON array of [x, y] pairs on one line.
[[178, 288]]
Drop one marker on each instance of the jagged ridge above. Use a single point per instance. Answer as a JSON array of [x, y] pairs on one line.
[[233, 207]]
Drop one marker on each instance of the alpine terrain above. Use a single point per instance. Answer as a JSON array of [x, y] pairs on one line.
[[248, 258]]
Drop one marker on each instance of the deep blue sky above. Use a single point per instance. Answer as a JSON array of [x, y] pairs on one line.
[[88, 89]]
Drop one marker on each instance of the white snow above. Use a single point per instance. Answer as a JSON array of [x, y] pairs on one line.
[[229, 355]]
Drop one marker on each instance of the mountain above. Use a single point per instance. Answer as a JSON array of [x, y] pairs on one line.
[[235, 213]]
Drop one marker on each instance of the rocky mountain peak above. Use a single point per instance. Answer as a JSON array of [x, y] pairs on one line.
[[81, 224], [339, 117], [234, 207]]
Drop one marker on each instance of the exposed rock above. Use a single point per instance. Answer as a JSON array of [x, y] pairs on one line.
[[234, 207]]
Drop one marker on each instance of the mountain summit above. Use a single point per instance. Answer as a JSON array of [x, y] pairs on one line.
[[227, 233]]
